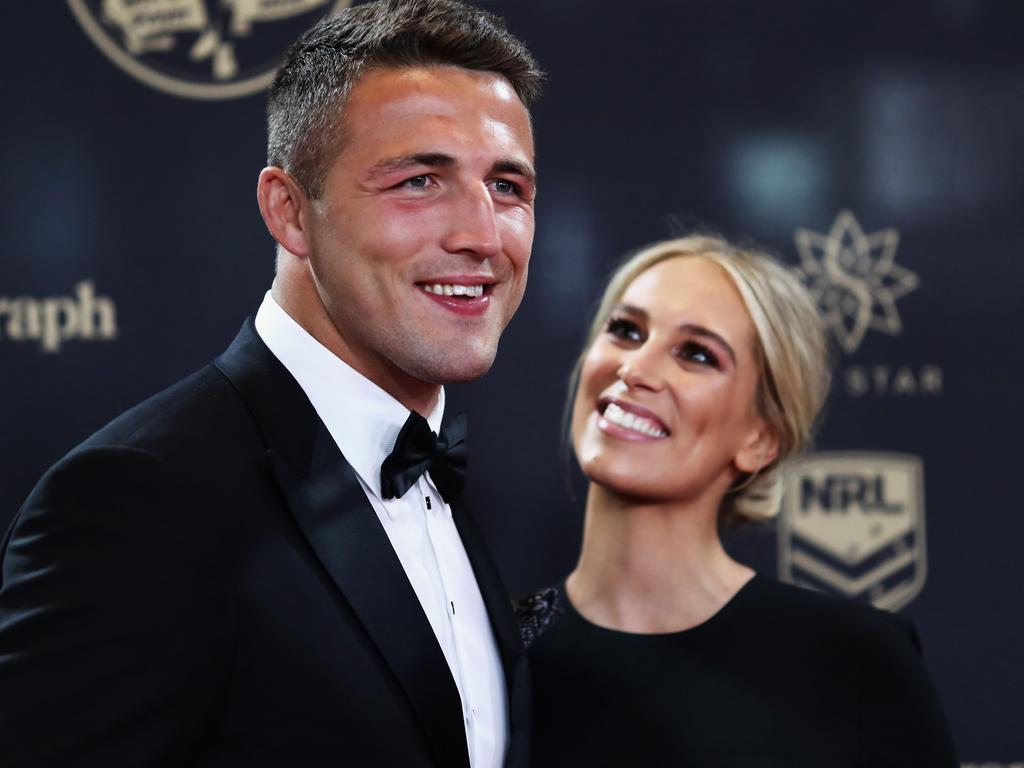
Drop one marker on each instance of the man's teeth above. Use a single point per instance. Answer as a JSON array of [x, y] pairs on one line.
[[447, 289], [627, 420]]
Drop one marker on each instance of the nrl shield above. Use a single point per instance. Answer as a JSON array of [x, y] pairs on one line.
[[853, 523]]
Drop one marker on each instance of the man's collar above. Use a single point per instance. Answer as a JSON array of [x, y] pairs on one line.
[[363, 419]]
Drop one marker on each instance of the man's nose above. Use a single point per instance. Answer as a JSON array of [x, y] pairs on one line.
[[473, 227]]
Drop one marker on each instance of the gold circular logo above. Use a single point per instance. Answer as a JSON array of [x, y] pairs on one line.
[[222, 49]]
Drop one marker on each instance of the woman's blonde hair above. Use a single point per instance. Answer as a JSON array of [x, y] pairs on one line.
[[792, 354]]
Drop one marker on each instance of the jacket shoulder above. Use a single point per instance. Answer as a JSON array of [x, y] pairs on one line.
[[196, 410]]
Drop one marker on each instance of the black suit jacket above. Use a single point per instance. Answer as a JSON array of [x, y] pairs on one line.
[[203, 582]]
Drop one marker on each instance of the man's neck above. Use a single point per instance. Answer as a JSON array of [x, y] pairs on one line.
[[414, 394]]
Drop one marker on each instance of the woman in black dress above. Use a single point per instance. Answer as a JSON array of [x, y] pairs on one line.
[[704, 372]]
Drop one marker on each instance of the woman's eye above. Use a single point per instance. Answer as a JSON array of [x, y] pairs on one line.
[[698, 353], [623, 329]]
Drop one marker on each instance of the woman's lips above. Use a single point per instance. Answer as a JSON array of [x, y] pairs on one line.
[[630, 421]]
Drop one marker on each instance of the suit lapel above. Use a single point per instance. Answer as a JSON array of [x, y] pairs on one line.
[[506, 633], [328, 502], [499, 607], [344, 532]]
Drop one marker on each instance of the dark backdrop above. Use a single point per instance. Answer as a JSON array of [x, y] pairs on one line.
[[757, 119]]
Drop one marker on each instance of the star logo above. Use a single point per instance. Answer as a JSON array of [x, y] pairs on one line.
[[854, 278]]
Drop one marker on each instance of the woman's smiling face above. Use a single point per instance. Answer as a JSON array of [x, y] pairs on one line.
[[666, 404]]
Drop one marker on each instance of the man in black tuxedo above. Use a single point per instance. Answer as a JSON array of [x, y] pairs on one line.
[[235, 572]]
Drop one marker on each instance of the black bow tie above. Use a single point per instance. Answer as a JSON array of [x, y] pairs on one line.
[[417, 450]]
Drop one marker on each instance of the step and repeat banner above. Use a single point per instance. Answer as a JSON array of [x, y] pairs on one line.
[[878, 148]]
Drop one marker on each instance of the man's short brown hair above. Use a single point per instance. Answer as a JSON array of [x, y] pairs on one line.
[[304, 111]]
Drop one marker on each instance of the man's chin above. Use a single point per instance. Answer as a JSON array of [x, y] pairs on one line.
[[455, 369]]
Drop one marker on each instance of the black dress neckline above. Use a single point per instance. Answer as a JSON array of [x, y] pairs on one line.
[[742, 595]]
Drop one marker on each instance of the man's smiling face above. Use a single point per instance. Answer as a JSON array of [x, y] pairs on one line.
[[420, 241]]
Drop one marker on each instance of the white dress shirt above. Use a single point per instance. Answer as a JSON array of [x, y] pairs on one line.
[[364, 421]]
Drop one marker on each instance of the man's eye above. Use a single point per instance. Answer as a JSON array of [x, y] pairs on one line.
[[623, 329], [505, 187], [417, 182], [698, 353]]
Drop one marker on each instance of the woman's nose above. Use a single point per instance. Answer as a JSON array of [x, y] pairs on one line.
[[640, 369]]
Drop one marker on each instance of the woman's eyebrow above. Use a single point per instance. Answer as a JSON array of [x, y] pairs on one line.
[[700, 330], [630, 309], [694, 328]]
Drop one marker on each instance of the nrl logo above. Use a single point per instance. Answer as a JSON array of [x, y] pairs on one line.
[[854, 278], [199, 49], [853, 523]]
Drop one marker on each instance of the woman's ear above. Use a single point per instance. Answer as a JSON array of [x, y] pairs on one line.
[[285, 208], [760, 449]]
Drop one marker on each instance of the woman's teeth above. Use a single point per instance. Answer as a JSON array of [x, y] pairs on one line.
[[447, 289], [627, 420]]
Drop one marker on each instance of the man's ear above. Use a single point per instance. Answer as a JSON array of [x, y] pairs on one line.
[[760, 449], [285, 209]]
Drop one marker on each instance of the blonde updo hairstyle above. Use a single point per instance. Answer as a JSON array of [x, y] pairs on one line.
[[792, 355]]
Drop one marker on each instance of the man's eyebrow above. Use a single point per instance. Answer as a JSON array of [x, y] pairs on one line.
[[515, 166], [694, 328], [405, 162], [441, 160]]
